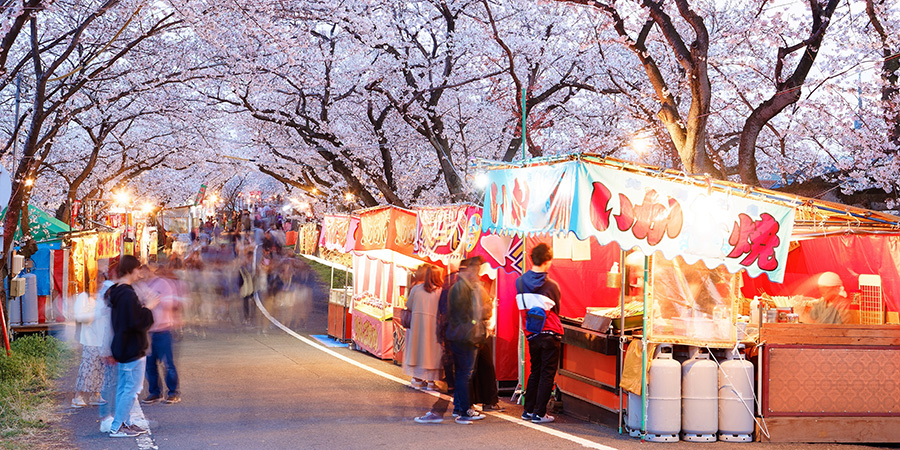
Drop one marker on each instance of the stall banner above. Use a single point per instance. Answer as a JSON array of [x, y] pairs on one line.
[[634, 210], [387, 227], [109, 244], [442, 233], [307, 238], [339, 233]]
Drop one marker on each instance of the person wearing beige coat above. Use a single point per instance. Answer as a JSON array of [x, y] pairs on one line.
[[422, 357]]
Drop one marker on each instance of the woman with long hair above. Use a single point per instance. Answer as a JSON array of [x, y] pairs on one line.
[[422, 357]]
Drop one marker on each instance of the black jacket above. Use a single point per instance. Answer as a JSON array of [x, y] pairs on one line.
[[130, 322]]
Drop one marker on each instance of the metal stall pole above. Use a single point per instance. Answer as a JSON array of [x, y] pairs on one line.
[[644, 361], [622, 287]]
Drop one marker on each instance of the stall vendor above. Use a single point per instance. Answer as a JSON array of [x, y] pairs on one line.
[[833, 307]]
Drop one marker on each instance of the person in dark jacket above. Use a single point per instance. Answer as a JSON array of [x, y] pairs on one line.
[[533, 288], [464, 310], [130, 322]]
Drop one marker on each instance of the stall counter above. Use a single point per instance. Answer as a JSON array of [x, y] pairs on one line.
[[831, 383], [588, 376]]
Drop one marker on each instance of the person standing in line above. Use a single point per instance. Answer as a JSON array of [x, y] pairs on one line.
[[130, 323], [166, 317], [535, 289], [465, 312], [422, 357]]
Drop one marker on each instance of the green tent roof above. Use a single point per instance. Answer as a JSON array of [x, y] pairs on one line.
[[43, 226]]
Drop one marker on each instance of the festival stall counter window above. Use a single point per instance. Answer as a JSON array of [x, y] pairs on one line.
[[383, 259]]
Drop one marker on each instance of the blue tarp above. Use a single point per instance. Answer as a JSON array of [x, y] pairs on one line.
[[42, 260]]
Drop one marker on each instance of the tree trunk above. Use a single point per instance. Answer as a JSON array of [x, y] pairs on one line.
[[787, 92]]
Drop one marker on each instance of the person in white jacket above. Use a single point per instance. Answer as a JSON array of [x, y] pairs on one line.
[[93, 314]]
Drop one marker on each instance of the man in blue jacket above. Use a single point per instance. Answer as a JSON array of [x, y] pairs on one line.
[[130, 322], [534, 289]]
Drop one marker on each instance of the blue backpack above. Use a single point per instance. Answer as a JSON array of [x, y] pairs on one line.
[[534, 320]]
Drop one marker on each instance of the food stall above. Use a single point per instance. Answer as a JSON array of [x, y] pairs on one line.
[[825, 382], [382, 262], [697, 235], [337, 240], [40, 307]]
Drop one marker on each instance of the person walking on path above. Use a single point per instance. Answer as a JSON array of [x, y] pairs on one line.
[[166, 318], [535, 289], [422, 358], [464, 321], [130, 323]]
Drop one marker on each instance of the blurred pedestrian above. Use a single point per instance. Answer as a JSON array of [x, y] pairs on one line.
[[130, 322], [422, 356], [485, 391], [90, 372], [167, 312], [465, 320]]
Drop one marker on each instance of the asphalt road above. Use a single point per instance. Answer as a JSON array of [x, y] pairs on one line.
[[244, 389]]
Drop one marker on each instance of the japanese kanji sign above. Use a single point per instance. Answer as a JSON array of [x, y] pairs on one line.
[[651, 213]]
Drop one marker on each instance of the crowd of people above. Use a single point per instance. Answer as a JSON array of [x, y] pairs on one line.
[[448, 338], [128, 331], [129, 326]]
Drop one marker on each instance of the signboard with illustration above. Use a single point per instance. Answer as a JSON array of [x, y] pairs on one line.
[[634, 210]]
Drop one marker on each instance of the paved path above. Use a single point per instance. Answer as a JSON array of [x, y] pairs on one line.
[[246, 390]]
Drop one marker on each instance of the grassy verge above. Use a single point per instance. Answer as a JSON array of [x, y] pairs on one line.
[[27, 394], [324, 273]]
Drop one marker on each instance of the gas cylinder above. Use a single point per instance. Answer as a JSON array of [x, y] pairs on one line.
[[633, 413], [29, 300], [699, 397], [14, 309], [664, 397], [736, 387]]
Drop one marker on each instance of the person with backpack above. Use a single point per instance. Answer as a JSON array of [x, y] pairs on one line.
[[538, 299], [130, 322]]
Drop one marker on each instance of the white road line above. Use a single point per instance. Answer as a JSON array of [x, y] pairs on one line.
[[516, 420]]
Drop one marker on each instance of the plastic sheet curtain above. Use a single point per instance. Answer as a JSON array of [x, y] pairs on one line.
[[691, 304]]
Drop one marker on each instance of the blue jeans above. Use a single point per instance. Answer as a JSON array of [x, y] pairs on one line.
[[131, 381], [161, 352], [109, 389], [464, 360]]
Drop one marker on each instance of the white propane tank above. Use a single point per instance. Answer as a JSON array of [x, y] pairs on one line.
[[699, 397], [29, 300], [736, 387], [633, 413], [15, 311], [664, 397]]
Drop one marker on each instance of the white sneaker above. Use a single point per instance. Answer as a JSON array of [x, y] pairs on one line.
[[546, 418], [106, 424], [78, 402]]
